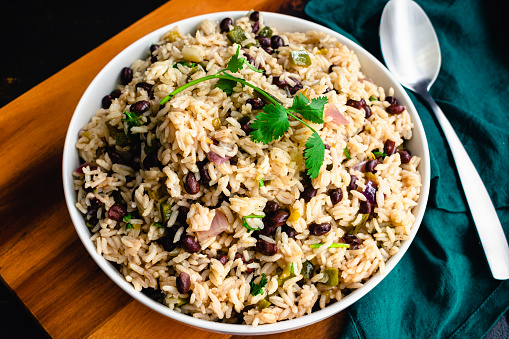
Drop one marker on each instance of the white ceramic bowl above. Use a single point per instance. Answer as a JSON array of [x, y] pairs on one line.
[[109, 77]]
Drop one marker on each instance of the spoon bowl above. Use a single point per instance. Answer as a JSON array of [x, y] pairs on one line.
[[412, 53], [418, 58]]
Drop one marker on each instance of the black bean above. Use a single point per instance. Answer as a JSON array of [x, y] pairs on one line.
[[115, 157], [247, 128], [352, 185], [167, 241], [249, 58], [327, 146], [190, 244], [256, 103], [278, 219], [327, 90], [151, 160], [308, 193], [395, 109], [255, 16], [239, 256], [191, 185], [183, 283], [106, 101], [204, 176], [117, 212], [263, 40], [153, 59], [389, 147], [352, 240], [276, 41], [249, 270], [365, 207], [255, 27], [153, 47], [144, 85], [115, 94], [265, 247], [268, 50], [293, 89], [271, 207], [267, 230], [358, 104], [94, 206], [182, 216], [290, 231], [336, 195], [331, 68], [371, 164], [391, 100], [319, 229], [405, 156], [278, 82], [140, 106], [223, 259], [126, 75], [225, 25], [367, 111]]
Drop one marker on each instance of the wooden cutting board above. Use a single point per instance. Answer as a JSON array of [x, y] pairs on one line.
[[41, 257]]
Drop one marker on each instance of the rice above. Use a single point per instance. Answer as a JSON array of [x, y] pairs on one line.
[[135, 184]]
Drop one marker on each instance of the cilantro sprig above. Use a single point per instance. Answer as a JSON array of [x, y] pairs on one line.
[[273, 122], [257, 289]]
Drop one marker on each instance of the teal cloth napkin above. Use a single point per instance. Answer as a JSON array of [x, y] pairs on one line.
[[443, 287]]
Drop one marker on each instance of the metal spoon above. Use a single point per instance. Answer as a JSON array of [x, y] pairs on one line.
[[411, 52]]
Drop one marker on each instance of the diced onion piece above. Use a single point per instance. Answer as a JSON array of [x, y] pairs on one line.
[[192, 54], [217, 159], [337, 118], [219, 225], [361, 166]]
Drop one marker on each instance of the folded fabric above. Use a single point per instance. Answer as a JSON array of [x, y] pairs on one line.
[[443, 287]]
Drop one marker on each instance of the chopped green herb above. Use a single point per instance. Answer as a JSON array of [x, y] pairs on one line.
[[244, 222], [273, 122], [126, 219], [129, 226], [184, 63], [347, 154], [379, 154], [372, 98], [157, 224], [261, 183], [257, 289], [131, 118], [333, 245]]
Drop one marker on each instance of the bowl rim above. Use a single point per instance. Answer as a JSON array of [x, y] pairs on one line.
[[286, 325]]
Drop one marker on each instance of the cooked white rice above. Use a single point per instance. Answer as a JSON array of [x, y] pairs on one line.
[[184, 131]]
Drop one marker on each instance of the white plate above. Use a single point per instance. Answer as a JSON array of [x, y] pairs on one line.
[[106, 80]]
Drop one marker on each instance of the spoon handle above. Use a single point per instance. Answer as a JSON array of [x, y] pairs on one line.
[[485, 217]]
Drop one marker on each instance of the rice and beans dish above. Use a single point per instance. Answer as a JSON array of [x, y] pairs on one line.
[[252, 197]]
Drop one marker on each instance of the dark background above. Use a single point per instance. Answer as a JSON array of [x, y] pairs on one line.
[[39, 38]]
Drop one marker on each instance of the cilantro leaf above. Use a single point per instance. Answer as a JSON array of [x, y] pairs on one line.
[[131, 118], [226, 85], [310, 111], [236, 62], [314, 154], [270, 124], [257, 289]]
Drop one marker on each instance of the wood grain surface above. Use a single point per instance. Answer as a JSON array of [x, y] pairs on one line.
[[41, 257]]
